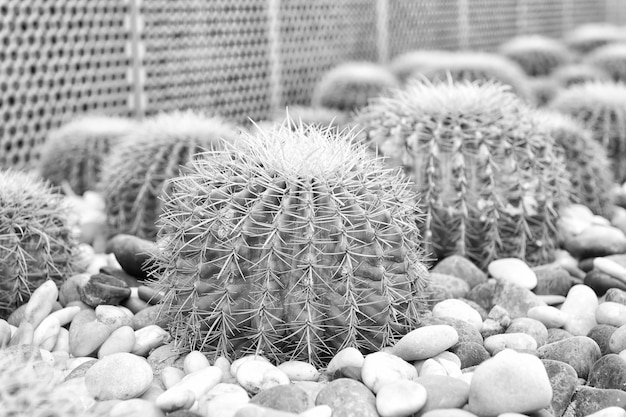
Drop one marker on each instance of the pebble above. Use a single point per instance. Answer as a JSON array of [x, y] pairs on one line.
[[348, 398], [23, 335], [257, 375], [121, 340], [299, 371], [87, 334], [552, 280], [471, 354], [493, 392], [580, 352], [5, 333], [613, 314], [443, 392], [171, 376], [234, 367], [148, 338], [580, 306], [615, 295], [104, 289], [456, 287], [71, 287], [175, 399], [41, 303], [132, 253], [609, 412], [430, 367], [118, 376], [65, 315], [425, 342], [548, 315], [113, 316], [197, 383], [514, 271], [194, 361], [465, 331], [617, 341], [46, 334], [166, 355], [602, 335], [555, 335], [448, 412], [251, 410], [459, 310], [148, 316], [349, 356], [400, 398], [380, 368], [601, 282], [287, 397], [460, 267], [563, 379], [588, 400], [223, 400], [531, 327], [552, 300], [610, 267], [609, 372], [135, 407], [595, 241], [514, 299], [517, 341]]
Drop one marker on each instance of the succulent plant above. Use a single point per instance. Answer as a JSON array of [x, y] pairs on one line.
[[135, 173], [36, 238], [601, 107], [479, 66], [586, 38], [318, 116], [611, 59], [543, 90], [295, 244], [350, 85], [537, 55], [585, 160], [75, 152], [490, 178], [573, 74], [405, 65]]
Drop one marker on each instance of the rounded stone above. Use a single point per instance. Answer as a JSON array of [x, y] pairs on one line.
[[581, 352], [588, 400], [87, 334], [531, 327], [465, 331], [443, 392], [135, 407], [580, 306], [456, 287], [513, 270], [380, 368], [609, 372], [516, 341], [613, 314], [349, 356], [425, 342], [617, 342], [121, 340], [459, 310], [601, 282], [471, 354], [552, 280], [299, 371], [563, 379], [615, 295], [119, 376], [556, 335], [515, 299], [194, 361], [602, 333], [595, 241], [400, 398], [348, 398], [104, 289], [257, 375], [287, 397], [460, 267], [549, 316]]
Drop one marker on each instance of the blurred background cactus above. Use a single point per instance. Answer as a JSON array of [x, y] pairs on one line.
[[611, 59], [135, 172], [491, 180], [405, 65], [294, 244], [537, 55], [36, 238], [586, 38], [579, 73]]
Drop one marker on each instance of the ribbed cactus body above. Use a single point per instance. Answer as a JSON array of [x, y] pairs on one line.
[[350, 85], [573, 74], [75, 152], [537, 55], [601, 107], [491, 181], [588, 37], [585, 160], [295, 244], [611, 59], [135, 173], [405, 65], [36, 238]]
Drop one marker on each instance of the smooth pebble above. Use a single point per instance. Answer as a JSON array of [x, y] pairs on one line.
[[400, 398], [580, 307], [518, 341], [459, 310], [611, 313], [513, 270], [548, 315], [425, 342], [380, 368], [256, 375], [299, 371], [120, 376]]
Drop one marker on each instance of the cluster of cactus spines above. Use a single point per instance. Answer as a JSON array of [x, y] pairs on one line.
[[348, 86], [537, 55], [586, 38], [491, 181], [585, 160], [135, 173], [295, 243], [610, 58], [578, 73], [405, 65], [601, 107], [37, 240], [479, 66], [318, 116], [75, 152]]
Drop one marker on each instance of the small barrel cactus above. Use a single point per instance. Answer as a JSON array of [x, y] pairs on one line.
[[543, 90], [585, 160], [74, 153], [295, 243], [135, 172], [586, 38], [318, 116], [491, 180], [37, 240], [405, 65], [601, 107], [611, 59], [350, 85], [573, 74], [537, 55]]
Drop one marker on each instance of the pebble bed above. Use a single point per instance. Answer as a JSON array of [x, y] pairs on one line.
[[542, 341]]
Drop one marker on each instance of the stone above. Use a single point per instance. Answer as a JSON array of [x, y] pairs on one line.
[[120, 376], [609, 372], [460, 267], [133, 254], [166, 355], [223, 400], [613, 314], [552, 279], [87, 334], [615, 295], [516, 341], [194, 361], [149, 338], [483, 313], [514, 271], [509, 382], [601, 282], [171, 376], [470, 354], [175, 399], [555, 335], [609, 266], [257, 375], [588, 400], [104, 289], [549, 316], [71, 288], [318, 411], [400, 398], [448, 412], [113, 316], [41, 303], [609, 412], [595, 241], [459, 310], [483, 294], [299, 371], [135, 407], [552, 300], [198, 383], [563, 379], [349, 356], [283, 397], [580, 306], [425, 342], [601, 334], [348, 398], [443, 392], [514, 299], [148, 316], [457, 287], [531, 327], [121, 340], [617, 342], [465, 331], [580, 352], [380, 368]]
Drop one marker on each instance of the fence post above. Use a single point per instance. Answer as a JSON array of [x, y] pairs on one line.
[[135, 49], [463, 23], [273, 11], [382, 28]]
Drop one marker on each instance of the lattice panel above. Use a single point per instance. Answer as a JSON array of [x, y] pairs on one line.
[[207, 55], [589, 11], [316, 35], [491, 22], [57, 59], [541, 17]]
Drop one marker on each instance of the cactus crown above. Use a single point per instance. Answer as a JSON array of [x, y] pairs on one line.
[[136, 171], [490, 179], [572, 74], [294, 243], [319, 116], [537, 55], [610, 58], [588, 37], [405, 65]]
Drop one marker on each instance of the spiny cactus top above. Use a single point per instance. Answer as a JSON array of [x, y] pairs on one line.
[[588, 37], [601, 107], [349, 86], [537, 55], [489, 178], [585, 159], [294, 244], [135, 172], [572, 74], [408, 63], [319, 116], [75, 152], [36, 239], [610, 58]]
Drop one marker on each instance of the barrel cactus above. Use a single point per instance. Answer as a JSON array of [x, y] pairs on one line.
[[405, 65], [537, 55], [586, 38], [135, 172], [37, 240], [294, 244], [349, 86], [601, 107], [490, 178], [579, 73], [74, 153], [585, 160], [610, 58], [318, 116]]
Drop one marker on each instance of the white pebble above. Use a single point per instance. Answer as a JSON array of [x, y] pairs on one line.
[[255, 375], [459, 310], [513, 270], [380, 368], [171, 376], [194, 361], [497, 342], [400, 398], [611, 313], [551, 317], [299, 371], [347, 357], [148, 338]]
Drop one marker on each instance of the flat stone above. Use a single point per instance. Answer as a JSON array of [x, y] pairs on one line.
[[595, 241], [443, 392], [531, 327], [465, 331], [588, 400], [601, 334], [580, 352], [613, 314], [348, 398], [459, 310], [609, 372], [455, 286], [516, 300], [425, 342], [120, 376], [556, 335], [104, 289], [552, 280], [400, 398], [563, 379], [549, 316], [470, 354], [514, 271], [380, 368], [283, 397], [460, 267]]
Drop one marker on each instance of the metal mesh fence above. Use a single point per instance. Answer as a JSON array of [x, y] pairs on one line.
[[237, 58]]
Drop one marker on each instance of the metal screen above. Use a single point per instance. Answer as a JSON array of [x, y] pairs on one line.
[[237, 58]]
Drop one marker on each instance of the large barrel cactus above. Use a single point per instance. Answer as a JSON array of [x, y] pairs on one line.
[[36, 238], [601, 107], [585, 38], [579, 73], [405, 65], [294, 244], [490, 178], [610, 58], [135, 172], [74, 153], [537, 55]]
